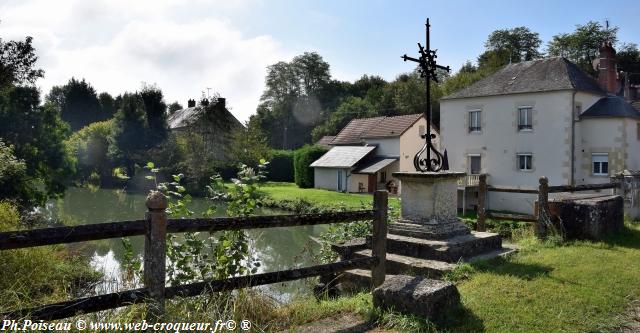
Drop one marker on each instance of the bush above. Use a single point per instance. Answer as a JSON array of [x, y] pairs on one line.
[[90, 146], [302, 158], [280, 167], [15, 185]]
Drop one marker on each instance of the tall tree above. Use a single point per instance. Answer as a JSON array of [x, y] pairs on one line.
[[156, 112], [78, 103], [130, 122], [108, 105], [520, 43], [175, 106], [582, 46], [17, 61], [629, 61]]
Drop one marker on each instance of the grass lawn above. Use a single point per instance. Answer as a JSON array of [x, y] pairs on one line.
[[290, 191], [576, 287]]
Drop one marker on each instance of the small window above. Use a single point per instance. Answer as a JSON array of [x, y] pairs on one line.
[[474, 164], [525, 118], [475, 121], [600, 164], [383, 177], [525, 162], [577, 111]]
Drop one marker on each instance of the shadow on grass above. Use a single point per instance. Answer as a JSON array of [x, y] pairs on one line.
[[627, 237], [459, 319], [503, 266]]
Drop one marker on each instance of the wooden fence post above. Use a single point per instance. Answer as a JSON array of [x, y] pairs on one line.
[[155, 255], [379, 240], [482, 197], [543, 207]]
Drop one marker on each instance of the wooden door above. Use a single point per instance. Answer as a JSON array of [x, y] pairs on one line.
[[372, 183]]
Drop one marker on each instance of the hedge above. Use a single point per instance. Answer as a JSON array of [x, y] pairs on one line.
[[302, 158], [280, 167]]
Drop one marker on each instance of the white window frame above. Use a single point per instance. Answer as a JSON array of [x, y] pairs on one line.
[[469, 156], [478, 121], [527, 166], [599, 158], [528, 125]]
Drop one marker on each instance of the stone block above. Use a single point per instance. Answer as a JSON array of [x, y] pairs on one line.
[[590, 218], [416, 295]]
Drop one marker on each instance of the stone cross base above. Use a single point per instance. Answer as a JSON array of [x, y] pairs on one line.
[[429, 203]]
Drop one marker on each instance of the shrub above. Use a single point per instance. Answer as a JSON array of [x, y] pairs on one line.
[[280, 167], [302, 158], [90, 146], [15, 185]]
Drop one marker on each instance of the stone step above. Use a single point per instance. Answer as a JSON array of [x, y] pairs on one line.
[[399, 264], [347, 248], [355, 280], [428, 231], [452, 249]]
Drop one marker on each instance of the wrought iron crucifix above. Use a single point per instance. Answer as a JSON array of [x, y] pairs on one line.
[[433, 160]]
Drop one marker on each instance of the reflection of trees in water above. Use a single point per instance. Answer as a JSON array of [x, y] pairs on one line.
[[284, 248]]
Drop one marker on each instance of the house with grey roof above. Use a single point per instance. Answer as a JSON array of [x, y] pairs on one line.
[[538, 118], [366, 152], [211, 121]]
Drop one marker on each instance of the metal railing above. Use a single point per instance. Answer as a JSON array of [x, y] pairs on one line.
[[155, 227]]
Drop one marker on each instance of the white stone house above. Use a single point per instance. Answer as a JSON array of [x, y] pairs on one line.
[[540, 118], [367, 151]]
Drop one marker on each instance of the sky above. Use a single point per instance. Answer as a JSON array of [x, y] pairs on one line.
[[187, 46]]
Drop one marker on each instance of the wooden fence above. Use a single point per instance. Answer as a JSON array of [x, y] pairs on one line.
[[542, 214], [155, 227]]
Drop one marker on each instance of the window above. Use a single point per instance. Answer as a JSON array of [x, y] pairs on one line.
[[474, 164], [524, 118], [383, 177], [475, 121], [577, 111], [525, 162], [600, 164]]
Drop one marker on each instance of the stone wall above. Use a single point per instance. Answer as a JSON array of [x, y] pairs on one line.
[[590, 218]]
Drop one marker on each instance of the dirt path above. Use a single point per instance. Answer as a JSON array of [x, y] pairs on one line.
[[632, 319], [344, 323]]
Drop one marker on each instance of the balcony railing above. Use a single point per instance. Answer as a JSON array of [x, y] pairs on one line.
[[469, 180]]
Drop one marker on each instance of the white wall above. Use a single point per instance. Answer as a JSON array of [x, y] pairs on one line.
[[500, 141], [355, 179], [325, 178], [386, 146], [411, 143]]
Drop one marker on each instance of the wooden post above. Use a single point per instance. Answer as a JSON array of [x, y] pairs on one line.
[[543, 207], [379, 240], [155, 255], [482, 197]]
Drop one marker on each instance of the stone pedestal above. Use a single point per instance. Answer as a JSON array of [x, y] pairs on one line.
[[429, 205]]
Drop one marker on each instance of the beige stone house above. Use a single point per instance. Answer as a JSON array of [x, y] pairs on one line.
[[367, 151], [210, 120], [541, 118]]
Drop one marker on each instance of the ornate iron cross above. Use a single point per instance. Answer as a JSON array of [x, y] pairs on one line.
[[428, 158]]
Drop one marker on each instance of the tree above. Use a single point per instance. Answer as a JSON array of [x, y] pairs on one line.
[[520, 43], [78, 103], [156, 113], [175, 106], [15, 185], [130, 122], [17, 59], [351, 108], [629, 61], [249, 146], [37, 133], [108, 105], [582, 46]]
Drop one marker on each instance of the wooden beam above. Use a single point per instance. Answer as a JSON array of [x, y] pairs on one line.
[[512, 217], [511, 189], [482, 197], [379, 239], [586, 187]]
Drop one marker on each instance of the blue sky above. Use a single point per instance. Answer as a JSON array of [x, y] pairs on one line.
[[186, 46]]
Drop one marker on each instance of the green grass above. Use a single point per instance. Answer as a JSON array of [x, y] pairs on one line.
[[290, 191], [576, 287]]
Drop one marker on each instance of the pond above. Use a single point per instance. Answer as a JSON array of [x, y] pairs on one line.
[[276, 248]]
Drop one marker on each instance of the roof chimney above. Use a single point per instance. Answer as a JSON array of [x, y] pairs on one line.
[[607, 69], [222, 102], [191, 103]]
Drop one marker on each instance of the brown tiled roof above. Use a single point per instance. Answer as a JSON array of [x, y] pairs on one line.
[[378, 127], [325, 141], [547, 74]]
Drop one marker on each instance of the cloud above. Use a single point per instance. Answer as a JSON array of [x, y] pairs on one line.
[[116, 45]]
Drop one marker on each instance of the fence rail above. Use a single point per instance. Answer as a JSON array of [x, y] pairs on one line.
[[155, 227], [542, 215]]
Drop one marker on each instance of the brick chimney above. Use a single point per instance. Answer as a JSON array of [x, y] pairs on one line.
[[607, 69], [191, 103], [221, 102]]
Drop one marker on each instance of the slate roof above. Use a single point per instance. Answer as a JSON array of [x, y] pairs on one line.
[[325, 141], [636, 105], [377, 127], [611, 106], [375, 165], [189, 116], [540, 75], [342, 157]]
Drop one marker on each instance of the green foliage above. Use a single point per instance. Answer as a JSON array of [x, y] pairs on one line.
[[173, 107], [17, 59], [302, 158], [351, 108], [156, 112], [280, 167], [78, 103], [520, 43], [582, 46], [14, 183], [37, 134], [628, 57], [248, 146], [90, 147], [126, 143]]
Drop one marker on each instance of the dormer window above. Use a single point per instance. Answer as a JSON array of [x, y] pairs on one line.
[[525, 118]]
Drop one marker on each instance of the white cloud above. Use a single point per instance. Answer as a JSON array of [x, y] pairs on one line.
[[116, 45]]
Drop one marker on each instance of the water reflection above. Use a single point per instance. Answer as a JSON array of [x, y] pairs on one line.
[[277, 248]]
